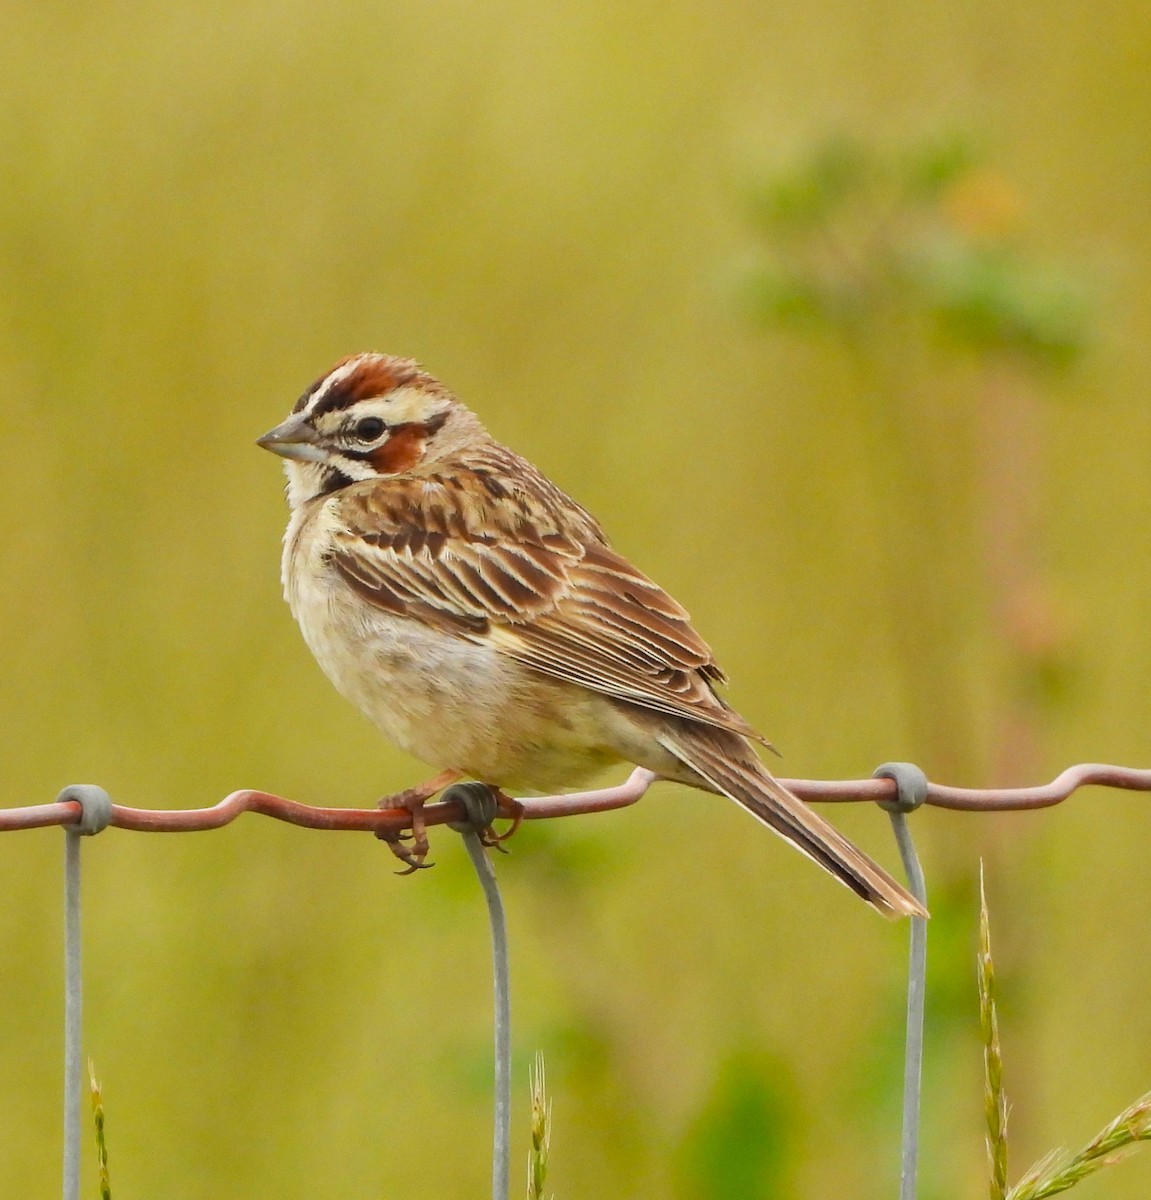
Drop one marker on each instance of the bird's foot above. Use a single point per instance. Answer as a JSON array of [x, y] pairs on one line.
[[414, 856], [509, 807]]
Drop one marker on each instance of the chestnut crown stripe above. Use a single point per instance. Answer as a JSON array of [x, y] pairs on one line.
[[359, 377]]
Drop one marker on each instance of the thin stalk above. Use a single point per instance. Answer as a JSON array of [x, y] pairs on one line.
[[101, 1135], [541, 1132], [995, 1099], [1058, 1172]]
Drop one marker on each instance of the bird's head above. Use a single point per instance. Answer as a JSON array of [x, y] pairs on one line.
[[370, 416]]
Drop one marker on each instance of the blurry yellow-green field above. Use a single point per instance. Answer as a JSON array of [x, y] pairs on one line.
[[203, 207]]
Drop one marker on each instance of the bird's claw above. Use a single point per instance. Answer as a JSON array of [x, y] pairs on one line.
[[488, 835], [414, 857]]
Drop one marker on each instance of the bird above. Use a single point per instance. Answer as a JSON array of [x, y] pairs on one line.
[[480, 619]]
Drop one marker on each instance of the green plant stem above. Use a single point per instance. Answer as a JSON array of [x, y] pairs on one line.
[[101, 1142], [995, 1099], [1058, 1172], [541, 1132]]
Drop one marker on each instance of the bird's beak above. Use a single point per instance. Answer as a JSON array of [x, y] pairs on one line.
[[294, 438]]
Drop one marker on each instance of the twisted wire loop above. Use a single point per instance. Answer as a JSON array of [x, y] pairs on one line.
[[69, 808], [96, 807]]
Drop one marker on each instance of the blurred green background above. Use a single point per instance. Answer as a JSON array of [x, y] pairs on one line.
[[900, 546]]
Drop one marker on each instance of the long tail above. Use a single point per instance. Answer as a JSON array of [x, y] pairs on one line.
[[729, 766]]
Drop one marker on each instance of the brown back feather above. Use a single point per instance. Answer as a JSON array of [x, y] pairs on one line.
[[488, 547]]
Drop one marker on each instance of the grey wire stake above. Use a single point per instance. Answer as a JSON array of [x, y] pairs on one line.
[[73, 1015], [95, 813], [480, 803], [911, 791]]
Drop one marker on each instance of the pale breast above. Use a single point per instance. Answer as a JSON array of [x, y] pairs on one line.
[[450, 700]]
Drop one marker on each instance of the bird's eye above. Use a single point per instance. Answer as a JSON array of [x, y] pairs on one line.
[[369, 429]]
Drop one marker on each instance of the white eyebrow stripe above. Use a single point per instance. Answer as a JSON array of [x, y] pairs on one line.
[[407, 405]]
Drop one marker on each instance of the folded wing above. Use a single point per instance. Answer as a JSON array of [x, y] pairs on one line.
[[545, 589]]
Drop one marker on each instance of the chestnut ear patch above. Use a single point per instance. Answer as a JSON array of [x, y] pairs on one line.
[[403, 449]]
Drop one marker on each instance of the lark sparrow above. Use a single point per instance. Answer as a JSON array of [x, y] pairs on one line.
[[477, 615]]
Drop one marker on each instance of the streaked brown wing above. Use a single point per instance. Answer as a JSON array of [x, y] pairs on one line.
[[534, 576]]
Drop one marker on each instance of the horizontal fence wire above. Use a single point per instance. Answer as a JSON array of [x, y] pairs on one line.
[[86, 809], [389, 821]]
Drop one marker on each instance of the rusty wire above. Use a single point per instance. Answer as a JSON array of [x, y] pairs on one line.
[[392, 821], [86, 809]]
